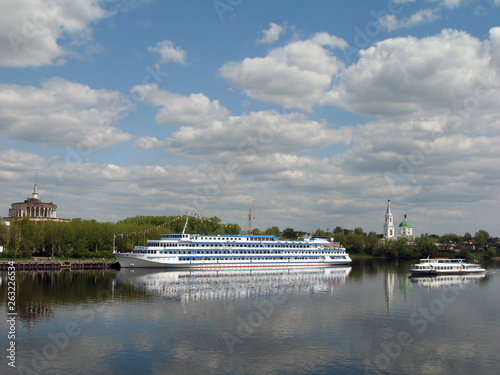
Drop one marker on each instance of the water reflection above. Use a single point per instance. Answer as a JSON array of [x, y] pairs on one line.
[[447, 281], [199, 285], [40, 292], [280, 321]]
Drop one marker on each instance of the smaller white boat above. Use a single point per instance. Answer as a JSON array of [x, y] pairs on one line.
[[444, 266]]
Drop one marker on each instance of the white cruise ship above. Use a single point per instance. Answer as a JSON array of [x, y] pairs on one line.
[[230, 251]]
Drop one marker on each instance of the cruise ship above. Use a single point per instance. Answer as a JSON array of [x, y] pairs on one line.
[[231, 251]]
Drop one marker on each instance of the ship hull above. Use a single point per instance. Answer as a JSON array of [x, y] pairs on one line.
[[131, 260]]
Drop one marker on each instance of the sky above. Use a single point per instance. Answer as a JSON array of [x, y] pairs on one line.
[[317, 112]]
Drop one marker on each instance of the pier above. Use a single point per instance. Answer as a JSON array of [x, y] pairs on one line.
[[40, 264]]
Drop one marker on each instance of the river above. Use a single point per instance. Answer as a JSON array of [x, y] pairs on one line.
[[370, 318]]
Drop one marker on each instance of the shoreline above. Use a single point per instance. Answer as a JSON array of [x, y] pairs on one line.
[[59, 265]]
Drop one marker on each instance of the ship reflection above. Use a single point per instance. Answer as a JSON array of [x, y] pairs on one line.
[[446, 281], [199, 285]]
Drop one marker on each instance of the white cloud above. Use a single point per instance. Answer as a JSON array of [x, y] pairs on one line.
[[420, 77], [257, 139], [294, 76], [148, 143], [169, 53], [450, 3], [394, 77], [391, 23], [30, 31], [63, 182], [495, 48], [62, 113], [192, 110], [272, 34]]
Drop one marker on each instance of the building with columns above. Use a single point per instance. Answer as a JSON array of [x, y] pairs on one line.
[[34, 209]]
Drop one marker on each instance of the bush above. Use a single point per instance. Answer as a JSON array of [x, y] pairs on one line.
[[465, 253], [490, 253]]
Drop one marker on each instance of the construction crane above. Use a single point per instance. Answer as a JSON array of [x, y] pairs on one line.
[[250, 213]]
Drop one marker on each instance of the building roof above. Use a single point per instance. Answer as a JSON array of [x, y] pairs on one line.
[[405, 224]]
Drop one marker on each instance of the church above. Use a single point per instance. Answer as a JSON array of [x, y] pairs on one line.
[[405, 228]]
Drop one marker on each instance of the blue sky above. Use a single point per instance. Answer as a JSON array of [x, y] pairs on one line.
[[319, 111]]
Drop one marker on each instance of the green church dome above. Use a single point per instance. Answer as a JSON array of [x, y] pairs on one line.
[[405, 224]]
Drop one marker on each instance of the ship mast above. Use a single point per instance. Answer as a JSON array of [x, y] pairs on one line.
[[250, 213], [187, 218]]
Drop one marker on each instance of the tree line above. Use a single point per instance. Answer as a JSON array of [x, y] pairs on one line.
[[359, 242], [80, 238]]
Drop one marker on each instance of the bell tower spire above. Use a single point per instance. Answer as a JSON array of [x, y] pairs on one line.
[[389, 222]]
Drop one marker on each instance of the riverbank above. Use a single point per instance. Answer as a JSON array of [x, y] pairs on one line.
[[51, 264], [480, 257]]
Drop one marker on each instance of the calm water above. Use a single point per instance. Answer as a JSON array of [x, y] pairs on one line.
[[366, 319]]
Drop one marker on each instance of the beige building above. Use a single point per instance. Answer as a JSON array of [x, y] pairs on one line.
[[34, 209]]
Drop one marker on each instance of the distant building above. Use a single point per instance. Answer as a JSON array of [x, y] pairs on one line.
[[34, 209], [389, 222], [405, 228]]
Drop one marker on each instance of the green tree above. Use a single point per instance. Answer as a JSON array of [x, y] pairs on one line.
[[32, 237], [372, 243], [403, 249], [426, 247], [232, 229], [290, 233], [340, 238], [14, 236], [491, 253], [355, 242], [392, 249], [384, 248], [52, 237], [449, 239], [68, 240], [4, 234], [481, 237], [359, 231], [319, 233], [465, 253], [338, 230], [273, 231]]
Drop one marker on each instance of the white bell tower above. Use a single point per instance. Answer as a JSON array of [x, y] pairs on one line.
[[389, 222]]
